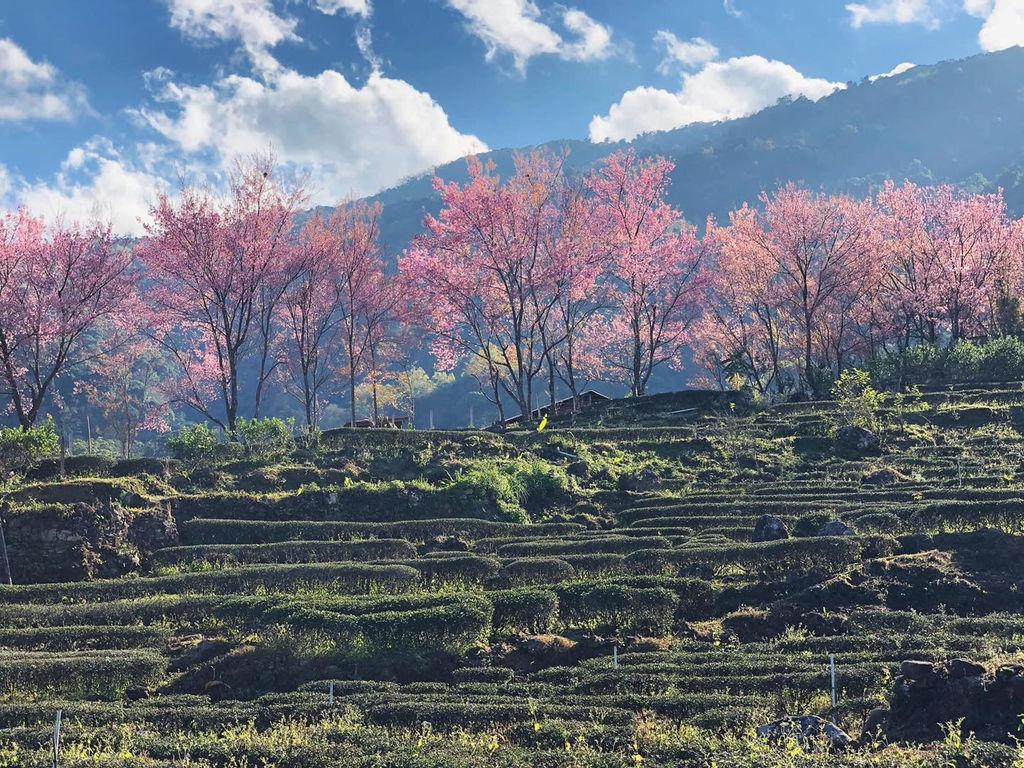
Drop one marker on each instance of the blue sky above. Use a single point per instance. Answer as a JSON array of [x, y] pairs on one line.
[[103, 103]]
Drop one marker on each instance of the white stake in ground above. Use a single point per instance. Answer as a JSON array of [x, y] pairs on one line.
[[832, 668], [56, 740]]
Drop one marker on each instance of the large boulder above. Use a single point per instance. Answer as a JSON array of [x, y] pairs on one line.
[[928, 696], [805, 730], [875, 725], [853, 439], [770, 528], [836, 528]]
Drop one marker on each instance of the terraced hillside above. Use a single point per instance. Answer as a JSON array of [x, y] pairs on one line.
[[644, 583]]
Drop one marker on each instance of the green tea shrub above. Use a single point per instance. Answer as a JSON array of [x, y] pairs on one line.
[[617, 607], [360, 577], [285, 552], [83, 637], [195, 444], [536, 570], [74, 466], [270, 531], [524, 609], [143, 465], [454, 569], [21, 448], [596, 564], [581, 546], [107, 673], [265, 439], [482, 675], [1002, 359]]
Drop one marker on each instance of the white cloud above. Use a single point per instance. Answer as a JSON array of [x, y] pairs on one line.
[[95, 181], [893, 12], [353, 7], [720, 91], [515, 28], [353, 140], [899, 69], [254, 22], [594, 39], [731, 9], [691, 53], [6, 184], [509, 26], [980, 8], [1004, 22], [31, 90]]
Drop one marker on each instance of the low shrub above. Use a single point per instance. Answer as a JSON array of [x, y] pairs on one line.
[[360, 577], [524, 609], [103, 673], [536, 570], [74, 466], [21, 448], [285, 552], [612, 606]]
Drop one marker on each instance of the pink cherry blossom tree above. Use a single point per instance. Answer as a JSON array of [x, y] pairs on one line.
[[815, 258], [58, 287], [657, 278], [948, 252], [216, 269], [578, 256], [483, 284], [125, 385], [340, 312]]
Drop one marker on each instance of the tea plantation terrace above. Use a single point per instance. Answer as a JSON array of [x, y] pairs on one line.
[[630, 583]]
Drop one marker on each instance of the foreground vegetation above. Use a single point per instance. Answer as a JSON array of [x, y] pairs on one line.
[[601, 593]]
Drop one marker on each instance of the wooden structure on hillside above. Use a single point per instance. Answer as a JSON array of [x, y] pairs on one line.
[[584, 400], [385, 422]]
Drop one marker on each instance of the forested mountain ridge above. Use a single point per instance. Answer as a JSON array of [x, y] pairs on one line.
[[956, 121]]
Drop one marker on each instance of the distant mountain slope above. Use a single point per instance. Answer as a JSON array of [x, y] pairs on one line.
[[958, 121]]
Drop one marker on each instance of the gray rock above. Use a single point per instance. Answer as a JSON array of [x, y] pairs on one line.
[[857, 440], [836, 528], [770, 528], [875, 724], [961, 668], [917, 670], [804, 729]]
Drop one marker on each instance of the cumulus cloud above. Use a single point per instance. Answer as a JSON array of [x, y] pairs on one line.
[[981, 8], [594, 40], [353, 140], [893, 12], [254, 22], [515, 28], [94, 181], [354, 7], [720, 91], [35, 90], [691, 53], [1004, 22], [899, 69]]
